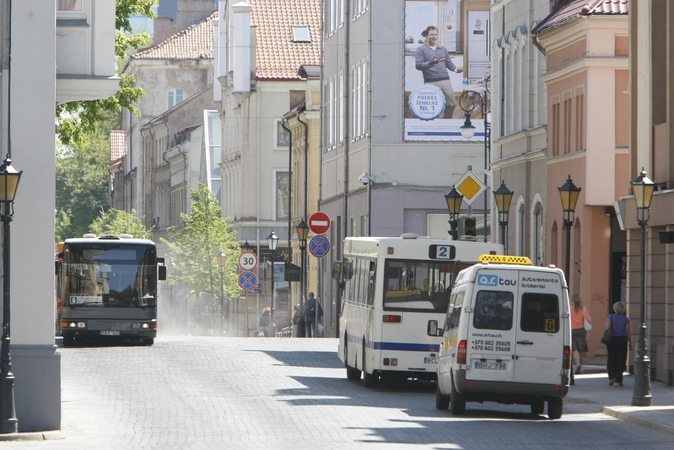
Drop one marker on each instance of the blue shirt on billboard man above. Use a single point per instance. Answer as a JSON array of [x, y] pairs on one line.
[[312, 314]]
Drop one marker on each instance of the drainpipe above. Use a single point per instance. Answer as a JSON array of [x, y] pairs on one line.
[[290, 191], [306, 165], [347, 61], [163, 156]]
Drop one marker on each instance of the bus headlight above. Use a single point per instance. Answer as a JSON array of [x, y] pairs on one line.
[[143, 325]]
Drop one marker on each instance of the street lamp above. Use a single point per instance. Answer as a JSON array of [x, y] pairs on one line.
[[302, 234], [272, 242], [643, 189], [222, 260], [469, 101], [454, 200], [9, 181], [503, 196], [569, 195]]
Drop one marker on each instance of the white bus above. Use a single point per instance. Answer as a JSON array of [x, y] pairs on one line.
[[391, 288]]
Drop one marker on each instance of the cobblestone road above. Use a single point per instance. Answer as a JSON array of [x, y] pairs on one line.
[[261, 393]]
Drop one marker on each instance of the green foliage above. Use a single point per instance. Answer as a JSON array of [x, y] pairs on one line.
[[82, 180], [115, 221], [76, 120], [194, 248]]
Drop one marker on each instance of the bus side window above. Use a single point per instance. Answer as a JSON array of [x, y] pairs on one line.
[[371, 283]]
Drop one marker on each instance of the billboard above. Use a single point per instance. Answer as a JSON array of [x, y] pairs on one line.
[[437, 85]]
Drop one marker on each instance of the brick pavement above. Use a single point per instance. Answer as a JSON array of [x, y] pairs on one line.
[[203, 393]]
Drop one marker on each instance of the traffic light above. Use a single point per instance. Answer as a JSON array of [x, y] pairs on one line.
[[470, 229]]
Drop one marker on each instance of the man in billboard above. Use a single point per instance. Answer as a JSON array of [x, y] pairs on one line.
[[433, 61]]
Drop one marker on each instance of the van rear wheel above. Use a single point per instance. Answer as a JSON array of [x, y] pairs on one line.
[[457, 401], [441, 401], [555, 408]]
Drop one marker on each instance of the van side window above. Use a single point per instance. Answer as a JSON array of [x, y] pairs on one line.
[[454, 311], [493, 310], [540, 313]]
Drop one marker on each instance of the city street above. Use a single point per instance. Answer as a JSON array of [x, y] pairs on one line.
[[274, 393]]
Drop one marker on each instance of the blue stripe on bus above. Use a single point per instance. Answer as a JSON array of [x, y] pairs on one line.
[[399, 346]]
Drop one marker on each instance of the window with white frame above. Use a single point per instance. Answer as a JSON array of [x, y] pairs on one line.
[[175, 96], [341, 109], [282, 135], [69, 5], [359, 93], [332, 114], [282, 195], [538, 235], [521, 229], [301, 33]]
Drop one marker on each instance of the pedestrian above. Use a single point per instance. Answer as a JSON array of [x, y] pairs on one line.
[[299, 323], [265, 319], [433, 60], [578, 334], [621, 340], [312, 314]]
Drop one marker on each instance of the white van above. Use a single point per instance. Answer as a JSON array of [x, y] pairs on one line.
[[507, 337]]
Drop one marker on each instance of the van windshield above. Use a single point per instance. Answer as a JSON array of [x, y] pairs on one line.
[[414, 285]]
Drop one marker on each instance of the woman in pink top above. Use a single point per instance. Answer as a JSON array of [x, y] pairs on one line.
[[578, 333]]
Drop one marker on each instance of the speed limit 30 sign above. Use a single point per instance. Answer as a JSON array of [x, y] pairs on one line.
[[248, 261]]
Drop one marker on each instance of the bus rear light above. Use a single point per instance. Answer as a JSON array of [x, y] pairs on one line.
[[390, 318], [461, 353]]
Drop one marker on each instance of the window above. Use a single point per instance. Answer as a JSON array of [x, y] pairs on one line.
[[540, 313], [454, 311], [413, 285], [69, 5], [354, 227], [175, 96], [364, 225], [282, 200], [493, 310], [301, 33], [282, 135]]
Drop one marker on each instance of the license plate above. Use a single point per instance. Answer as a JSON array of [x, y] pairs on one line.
[[491, 365], [431, 360], [109, 333]]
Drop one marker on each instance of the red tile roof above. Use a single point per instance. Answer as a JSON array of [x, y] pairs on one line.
[[575, 8], [117, 144], [194, 42], [278, 57]]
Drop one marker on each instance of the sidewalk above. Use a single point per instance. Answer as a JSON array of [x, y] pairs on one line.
[[592, 387]]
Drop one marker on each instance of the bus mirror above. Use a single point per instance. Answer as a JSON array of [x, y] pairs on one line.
[[432, 328], [162, 273], [56, 267]]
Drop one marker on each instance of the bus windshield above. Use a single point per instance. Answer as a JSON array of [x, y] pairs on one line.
[[109, 276], [422, 286]]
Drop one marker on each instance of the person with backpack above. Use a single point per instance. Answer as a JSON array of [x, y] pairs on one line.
[[312, 314]]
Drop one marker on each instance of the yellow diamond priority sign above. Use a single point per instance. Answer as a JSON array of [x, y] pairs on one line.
[[470, 186]]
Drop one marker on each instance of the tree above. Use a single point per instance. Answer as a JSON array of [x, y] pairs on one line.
[[194, 248], [82, 181], [77, 120], [115, 221]]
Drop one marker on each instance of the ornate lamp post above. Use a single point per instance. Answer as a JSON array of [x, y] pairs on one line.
[[643, 189], [454, 200], [503, 196], [222, 260], [469, 101], [9, 181], [569, 195], [272, 242], [302, 234]]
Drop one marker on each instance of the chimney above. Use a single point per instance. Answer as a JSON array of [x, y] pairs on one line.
[[163, 29]]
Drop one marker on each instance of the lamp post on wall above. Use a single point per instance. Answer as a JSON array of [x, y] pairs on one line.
[[569, 195], [643, 189], [272, 242], [454, 200], [222, 260], [9, 181], [469, 101], [503, 196], [302, 234]]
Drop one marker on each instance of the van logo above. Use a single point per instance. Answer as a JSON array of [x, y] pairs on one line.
[[487, 280], [494, 280]]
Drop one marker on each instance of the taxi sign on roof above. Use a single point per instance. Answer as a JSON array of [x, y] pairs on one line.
[[505, 259]]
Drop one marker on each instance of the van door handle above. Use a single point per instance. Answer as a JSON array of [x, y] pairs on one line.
[[525, 342]]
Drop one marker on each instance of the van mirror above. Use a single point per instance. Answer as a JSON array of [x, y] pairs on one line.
[[432, 328]]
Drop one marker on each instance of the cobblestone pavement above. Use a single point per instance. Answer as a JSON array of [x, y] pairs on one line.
[[265, 393]]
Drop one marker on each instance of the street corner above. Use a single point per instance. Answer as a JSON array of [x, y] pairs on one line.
[[659, 418]]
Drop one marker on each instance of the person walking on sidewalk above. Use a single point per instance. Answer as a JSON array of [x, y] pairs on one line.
[[616, 363], [578, 334], [312, 314]]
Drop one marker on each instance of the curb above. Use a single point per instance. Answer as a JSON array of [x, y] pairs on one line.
[[34, 436], [623, 414]]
